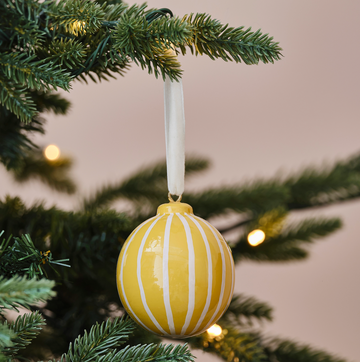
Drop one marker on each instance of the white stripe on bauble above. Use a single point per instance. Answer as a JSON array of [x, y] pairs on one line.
[[208, 255], [166, 287], [122, 273], [191, 263], [142, 292], [233, 277], [223, 273]]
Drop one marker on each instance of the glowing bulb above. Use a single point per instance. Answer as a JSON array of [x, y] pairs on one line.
[[80, 26], [76, 27], [256, 237], [214, 331], [52, 152]]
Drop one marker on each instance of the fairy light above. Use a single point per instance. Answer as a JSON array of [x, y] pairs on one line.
[[52, 152], [214, 331], [80, 25], [76, 27], [256, 237]]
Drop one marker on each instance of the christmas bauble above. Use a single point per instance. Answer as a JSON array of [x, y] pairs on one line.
[[175, 273]]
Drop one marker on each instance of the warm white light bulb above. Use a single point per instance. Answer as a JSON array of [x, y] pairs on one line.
[[214, 331], [52, 152], [256, 237]]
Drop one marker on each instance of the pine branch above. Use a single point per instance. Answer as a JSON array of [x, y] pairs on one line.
[[77, 16], [115, 9], [90, 238], [47, 101], [151, 352], [26, 8], [20, 291], [25, 328], [25, 71], [19, 24], [20, 257], [310, 188], [288, 351], [216, 40], [289, 244], [244, 310], [324, 186], [255, 198], [69, 53], [6, 336], [308, 229], [148, 185], [15, 140], [45, 45], [111, 2], [148, 44], [16, 99], [99, 341], [102, 60], [53, 173]]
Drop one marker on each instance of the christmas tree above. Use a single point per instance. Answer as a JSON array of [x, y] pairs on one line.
[[46, 45]]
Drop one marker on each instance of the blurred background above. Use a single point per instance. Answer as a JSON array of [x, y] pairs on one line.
[[252, 122]]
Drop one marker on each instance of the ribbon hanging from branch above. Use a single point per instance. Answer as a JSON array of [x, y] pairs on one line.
[[174, 135]]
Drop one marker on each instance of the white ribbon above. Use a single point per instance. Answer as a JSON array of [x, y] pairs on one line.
[[174, 135]]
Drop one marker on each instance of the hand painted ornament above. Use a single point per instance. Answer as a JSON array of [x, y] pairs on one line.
[[175, 273]]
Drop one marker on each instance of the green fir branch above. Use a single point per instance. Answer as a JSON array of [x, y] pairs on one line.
[[46, 44], [16, 99], [289, 351], [69, 53], [111, 2], [308, 229], [326, 185], [20, 27], [253, 198], [26, 71], [19, 256], [15, 136], [24, 34], [148, 44], [91, 237], [169, 33], [289, 244], [54, 173], [6, 336], [15, 142], [99, 341], [48, 101], [22, 292], [244, 310], [25, 328], [26, 8], [102, 59], [77, 16], [147, 185], [149, 353], [113, 11], [216, 40]]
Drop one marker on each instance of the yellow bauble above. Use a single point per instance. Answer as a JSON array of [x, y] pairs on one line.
[[175, 273]]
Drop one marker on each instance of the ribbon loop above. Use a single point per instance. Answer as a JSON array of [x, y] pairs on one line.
[[174, 135]]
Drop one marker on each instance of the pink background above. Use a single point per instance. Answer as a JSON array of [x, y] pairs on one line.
[[251, 121]]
